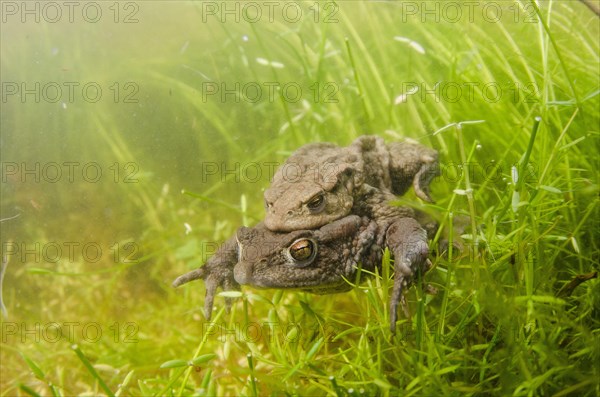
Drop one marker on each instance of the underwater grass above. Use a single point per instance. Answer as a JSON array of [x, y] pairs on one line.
[[497, 326]]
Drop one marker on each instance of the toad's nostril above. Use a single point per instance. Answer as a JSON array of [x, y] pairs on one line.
[[290, 213]]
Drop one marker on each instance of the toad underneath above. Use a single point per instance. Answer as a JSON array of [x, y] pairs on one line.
[[320, 261]]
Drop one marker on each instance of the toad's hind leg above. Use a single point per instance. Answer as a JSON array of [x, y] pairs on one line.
[[412, 164], [408, 242]]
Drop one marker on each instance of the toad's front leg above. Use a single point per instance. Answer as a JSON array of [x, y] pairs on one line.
[[408, 242], [217, 272]]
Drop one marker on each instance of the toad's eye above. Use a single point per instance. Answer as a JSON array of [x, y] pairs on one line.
[[316, 204], [303, 251]]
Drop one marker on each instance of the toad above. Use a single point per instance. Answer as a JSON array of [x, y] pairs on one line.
[[322, 182], [320, 261]]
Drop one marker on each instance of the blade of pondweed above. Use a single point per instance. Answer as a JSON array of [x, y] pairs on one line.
[[124, 383], [174, 364], [251, 375], [357, 80], [167, 390], [143, 388], [28, 390], [375, 77], [557, 51], [92, 370], [38, 373], [557, 146], [206, 380], [337, 389], [197, 355], [212, 201], [3, 268], [444, 308], [203, 359], [525, 160], [309, 355]]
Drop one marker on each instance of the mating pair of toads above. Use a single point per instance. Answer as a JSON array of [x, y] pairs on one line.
[[328, 216]]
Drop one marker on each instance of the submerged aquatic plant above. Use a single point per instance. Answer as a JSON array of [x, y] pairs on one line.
[[513, 315]]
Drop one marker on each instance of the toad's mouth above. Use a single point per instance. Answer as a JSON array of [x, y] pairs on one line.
[[244, 276]]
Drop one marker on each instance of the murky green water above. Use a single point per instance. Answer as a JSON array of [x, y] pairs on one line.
[[111, 109]]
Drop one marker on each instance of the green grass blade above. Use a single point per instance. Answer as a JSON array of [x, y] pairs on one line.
[[92, 370], [28, 390]]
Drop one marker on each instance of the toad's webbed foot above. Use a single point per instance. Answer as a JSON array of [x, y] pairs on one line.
[[408, 242], [217, 272]]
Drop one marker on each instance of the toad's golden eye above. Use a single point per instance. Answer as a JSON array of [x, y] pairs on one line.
[[317, 203], [303, 251]]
